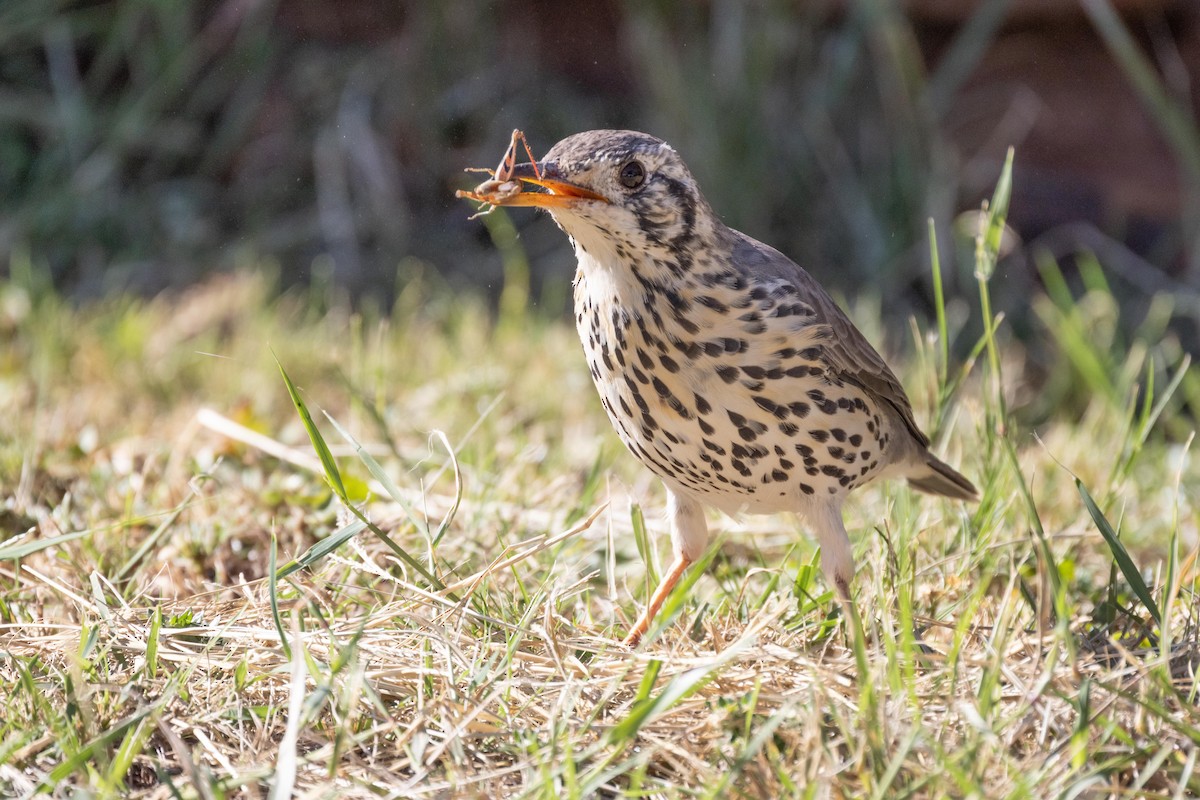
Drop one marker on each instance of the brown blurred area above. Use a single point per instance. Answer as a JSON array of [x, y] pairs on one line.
[[1089, 149]]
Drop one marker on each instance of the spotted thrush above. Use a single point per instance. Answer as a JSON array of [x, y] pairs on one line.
[[724, 366]]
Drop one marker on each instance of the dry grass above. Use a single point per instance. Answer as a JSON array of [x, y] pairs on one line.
[[143, 655]]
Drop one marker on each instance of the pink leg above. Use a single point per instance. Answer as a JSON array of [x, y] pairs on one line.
[[665, 586]]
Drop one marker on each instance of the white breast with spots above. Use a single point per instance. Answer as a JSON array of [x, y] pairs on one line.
[[718, 388]]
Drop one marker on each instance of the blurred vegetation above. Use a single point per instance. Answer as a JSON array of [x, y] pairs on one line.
[[143, 144]]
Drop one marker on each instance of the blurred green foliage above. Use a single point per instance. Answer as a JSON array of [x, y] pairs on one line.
[[146, 143]]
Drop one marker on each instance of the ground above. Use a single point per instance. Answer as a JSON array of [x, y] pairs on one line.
[[154, 473]]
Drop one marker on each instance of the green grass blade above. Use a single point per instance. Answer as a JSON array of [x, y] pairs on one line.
[[156, 620], [380, 474], [334, 478], [22, 549], [80, 758], [328, 464], [649, 677], [323, 548], [1120, 554], [151, 541], [645, 546], [939, 304], [272, 583], [678, 689]]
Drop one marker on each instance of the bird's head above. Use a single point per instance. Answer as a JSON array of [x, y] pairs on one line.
[[618, 192]]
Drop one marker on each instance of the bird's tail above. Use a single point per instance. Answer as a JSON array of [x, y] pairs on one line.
[[937, 477]]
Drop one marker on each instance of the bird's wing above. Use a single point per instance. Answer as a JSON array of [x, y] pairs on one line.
[[845, 351]]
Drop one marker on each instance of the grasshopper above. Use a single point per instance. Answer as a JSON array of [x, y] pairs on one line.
[[500, 186]]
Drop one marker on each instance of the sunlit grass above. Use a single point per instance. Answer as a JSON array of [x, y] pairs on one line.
[[1016, 647]]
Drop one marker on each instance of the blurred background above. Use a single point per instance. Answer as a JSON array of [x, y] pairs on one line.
[[146, 144]]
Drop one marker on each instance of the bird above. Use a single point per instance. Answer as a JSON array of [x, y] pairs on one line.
[[724, 366]]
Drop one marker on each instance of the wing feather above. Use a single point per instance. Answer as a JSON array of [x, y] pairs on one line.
[[845, 351]]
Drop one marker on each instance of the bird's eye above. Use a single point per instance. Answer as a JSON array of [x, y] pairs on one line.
[[632, 175]]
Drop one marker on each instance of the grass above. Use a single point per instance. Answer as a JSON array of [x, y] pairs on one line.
[[168, 629]]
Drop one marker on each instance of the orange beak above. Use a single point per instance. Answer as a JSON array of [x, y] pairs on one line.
[[559, 193]]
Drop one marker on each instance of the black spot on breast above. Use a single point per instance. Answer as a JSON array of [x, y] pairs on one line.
[[637, 397], [748, 434], [709, 430], [728, 374], [819, 436], [607, 361], [686, 323], [839, 434], [802, 371], [799, 409], [702, 406], [736, 418], [678, 302], [689, 349], [804, 487], [771, 407], [788, 429], [779, 475], [855, 439], [713, 303], [668, 363], [678, 407]]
